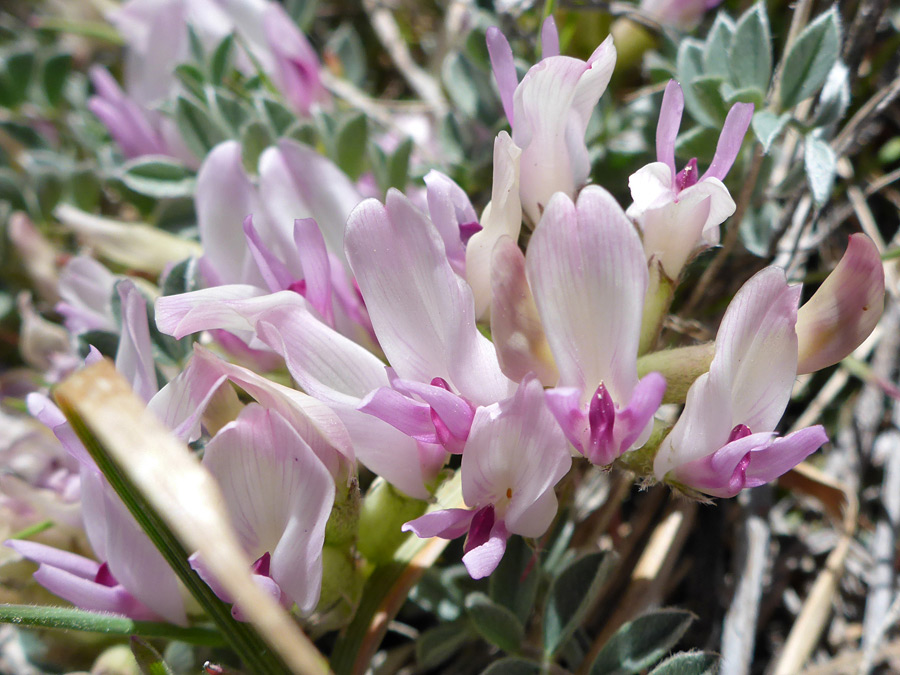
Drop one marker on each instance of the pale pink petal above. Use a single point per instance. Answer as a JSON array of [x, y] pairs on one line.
[[502, 217], [209, 309], [724, 472], [314, 259], [515, 324], [514, 454], [534, 520], [411, 417], [86, 290], [591, 86], [273, 271], [549, 38], [784, 454], [181, 403], [132, 558], [324, 362], [748, 384], [296, 63], [756, 350], [46, 412], [392, 454], [134, 357], [446, 524], [552, 108], [54, 557], [449, 208], [422, 311], [504, 68], [587, 271], [316, 423], [736, 124], [673, 232], [844, 310], [91, 596], [453, 410], [721, 206], [279, 496], [635, 422], [224, 198], [482, 560], [651, 186], [669, 122], [298, 182]]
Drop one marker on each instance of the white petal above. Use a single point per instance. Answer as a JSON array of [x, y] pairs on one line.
[[279, 496], [501, 217], [422, 311], [588, 274]]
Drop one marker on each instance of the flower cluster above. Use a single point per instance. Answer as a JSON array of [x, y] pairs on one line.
[[421, 335]]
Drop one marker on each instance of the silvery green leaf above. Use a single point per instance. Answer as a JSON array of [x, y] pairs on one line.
[[53, 77], [750, 54], [688, 663], [733, 96], [495, 623], [570, 597], [513, 666], [159, 178], [438, 644], [810, 58], [350, 143], [767, 126], [820, 163], [192, 78], [757, 229], [199, 131], [19, 67], [707, 93], [699, 142], [718, 42], [515, 581], [279, 117], [835, 96], [641, 643], [255, 138], [149, 661], [232, 110], [689, 67], [220, 62], [347, 46]]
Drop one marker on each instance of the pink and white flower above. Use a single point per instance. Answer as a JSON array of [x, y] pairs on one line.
[[549, 111], [587, 272], [279, 496], [514, 457], [724, 440], [680, 212]]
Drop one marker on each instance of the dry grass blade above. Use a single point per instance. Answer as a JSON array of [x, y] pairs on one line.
[[842, 505], [184, 494]]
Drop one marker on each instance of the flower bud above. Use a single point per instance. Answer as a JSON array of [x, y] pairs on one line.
[[845, 309]]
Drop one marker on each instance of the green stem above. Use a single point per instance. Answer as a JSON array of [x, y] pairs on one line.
[[657, 301], [66, 618], [680, 366], [37, 528]]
